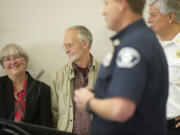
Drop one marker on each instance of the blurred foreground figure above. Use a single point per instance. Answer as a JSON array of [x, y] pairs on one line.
[[132, 85]]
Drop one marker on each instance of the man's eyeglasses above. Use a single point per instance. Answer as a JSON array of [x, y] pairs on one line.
[[69, 45], [66, 46]]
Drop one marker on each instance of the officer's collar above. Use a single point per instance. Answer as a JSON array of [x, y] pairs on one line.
[[174, 41], [115, 39]]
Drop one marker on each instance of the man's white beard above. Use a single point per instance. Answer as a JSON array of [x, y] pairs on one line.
[[77, 56]]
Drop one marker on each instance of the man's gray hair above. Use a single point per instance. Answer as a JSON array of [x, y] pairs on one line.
[[83, 33], [167, 6], [13, 49]]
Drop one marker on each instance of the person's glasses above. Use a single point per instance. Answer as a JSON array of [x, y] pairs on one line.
[[66, 46], [69, 45], [11, 58]]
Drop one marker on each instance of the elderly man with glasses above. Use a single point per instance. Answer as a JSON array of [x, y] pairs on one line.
[[80, 72]]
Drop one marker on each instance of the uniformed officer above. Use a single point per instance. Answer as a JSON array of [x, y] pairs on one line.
[[132, 85], [164, 19]]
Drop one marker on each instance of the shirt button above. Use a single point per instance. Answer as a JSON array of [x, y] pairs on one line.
[[116, 42], [70, 120]]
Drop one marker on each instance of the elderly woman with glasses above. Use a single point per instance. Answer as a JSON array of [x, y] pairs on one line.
[[22, 98]]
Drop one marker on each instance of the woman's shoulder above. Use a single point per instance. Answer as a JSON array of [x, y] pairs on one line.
[[44, 85], [38, 83], [4, 82], [4, 78], [41, 84]]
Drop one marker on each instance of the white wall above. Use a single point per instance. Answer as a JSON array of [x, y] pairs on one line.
[[39, 25]]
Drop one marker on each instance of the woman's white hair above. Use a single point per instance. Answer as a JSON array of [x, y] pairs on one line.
[[12, 49], [167, 6]]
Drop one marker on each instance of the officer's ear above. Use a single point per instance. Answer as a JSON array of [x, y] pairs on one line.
[[122, 4], [171, 17]]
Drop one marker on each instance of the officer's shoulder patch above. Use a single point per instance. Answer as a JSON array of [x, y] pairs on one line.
[[127, 57], [107, 60]]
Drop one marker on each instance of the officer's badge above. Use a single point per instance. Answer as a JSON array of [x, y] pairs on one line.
[[127, 57], [107, 60], [177, 53], [116, 42]]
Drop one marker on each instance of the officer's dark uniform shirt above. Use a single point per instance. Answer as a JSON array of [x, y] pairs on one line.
[[136, 70]]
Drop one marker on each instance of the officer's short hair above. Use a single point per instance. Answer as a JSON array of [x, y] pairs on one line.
[[137, 6], [167, 6], [83, 33], [13, 49]]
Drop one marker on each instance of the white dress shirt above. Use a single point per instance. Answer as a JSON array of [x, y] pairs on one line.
[[172, 51]]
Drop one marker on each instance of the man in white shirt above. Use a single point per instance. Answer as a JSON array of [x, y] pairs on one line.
[[164, 19]]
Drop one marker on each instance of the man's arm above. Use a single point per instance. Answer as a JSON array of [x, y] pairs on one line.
[[114, 109]]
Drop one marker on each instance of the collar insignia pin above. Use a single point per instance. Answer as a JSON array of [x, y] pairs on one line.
[[177, 53]]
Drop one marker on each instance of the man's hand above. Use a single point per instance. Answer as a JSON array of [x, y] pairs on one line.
[[82, 96], [177, 119]]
